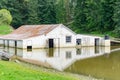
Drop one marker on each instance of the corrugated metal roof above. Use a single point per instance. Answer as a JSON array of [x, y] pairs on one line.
[[27, 31]]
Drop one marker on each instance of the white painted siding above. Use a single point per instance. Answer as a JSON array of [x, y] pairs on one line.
[[60, 33], [35, 42], [59, 39], [105, 42], [88, 40], [20, 44], [1, 42], [11, 43], [6, 43]]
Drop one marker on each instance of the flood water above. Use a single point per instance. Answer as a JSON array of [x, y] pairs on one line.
[[99, 62]]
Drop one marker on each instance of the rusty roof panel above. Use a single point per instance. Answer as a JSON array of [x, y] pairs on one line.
[[27, 31]]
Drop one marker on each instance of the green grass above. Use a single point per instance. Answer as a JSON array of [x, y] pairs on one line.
[[15, 71], [5, 29]]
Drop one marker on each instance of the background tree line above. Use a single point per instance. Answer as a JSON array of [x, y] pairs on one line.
[[82, 16]]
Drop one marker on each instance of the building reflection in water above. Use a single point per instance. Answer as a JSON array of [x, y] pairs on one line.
[[59, 58]]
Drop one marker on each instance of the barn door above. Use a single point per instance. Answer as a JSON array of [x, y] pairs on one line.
[[15, 43], [15, 47], [96, 41], [51, 43], [4, 43]]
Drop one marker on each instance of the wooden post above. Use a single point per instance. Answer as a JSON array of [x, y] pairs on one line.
[[3, 43], [15, 47], [7, 43]]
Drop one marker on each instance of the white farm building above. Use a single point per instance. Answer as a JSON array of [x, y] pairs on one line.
[[49, 36], [86, 40]]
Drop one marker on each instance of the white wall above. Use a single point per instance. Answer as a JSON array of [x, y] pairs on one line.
[[105, 42], [6, 43], [20, 44], [60, 33], [11, 43], [35, 42], [88, 40], [1, 42]]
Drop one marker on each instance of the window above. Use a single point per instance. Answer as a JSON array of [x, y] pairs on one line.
[[68, 39], [78, 41]]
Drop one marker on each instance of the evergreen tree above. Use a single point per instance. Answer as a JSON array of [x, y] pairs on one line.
[[70, 6], [60, 12], [117, 18], [107, 16], [18, 11], [83, 16], [80, 16], [46, 12], [33, 17], [93, 16], [65, 11], [50, 16]]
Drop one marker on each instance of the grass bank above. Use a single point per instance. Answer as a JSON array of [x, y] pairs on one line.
[[25, 71], [15, 71], [5, 29]]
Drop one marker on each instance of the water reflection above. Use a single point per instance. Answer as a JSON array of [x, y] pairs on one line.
[[100, 62], [59, 58], [106, 66]]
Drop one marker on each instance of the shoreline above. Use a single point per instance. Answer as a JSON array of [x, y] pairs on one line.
[[51, 70]]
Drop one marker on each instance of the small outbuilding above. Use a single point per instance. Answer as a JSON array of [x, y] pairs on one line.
[[88, 40], [40, 36], [49, 36]]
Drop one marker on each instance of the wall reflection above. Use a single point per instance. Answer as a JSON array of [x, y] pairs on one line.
[[59, 58]]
